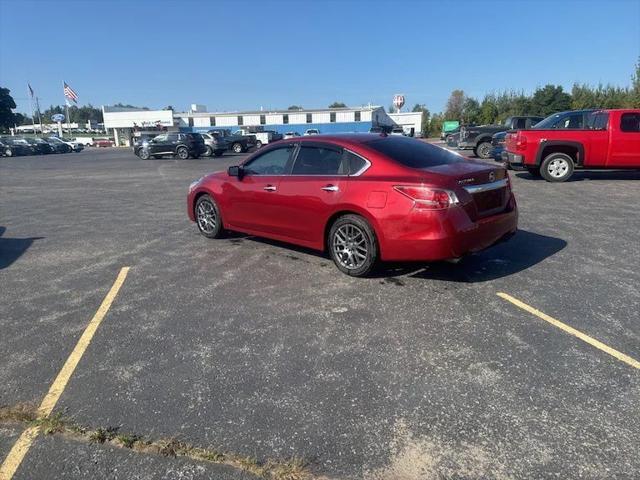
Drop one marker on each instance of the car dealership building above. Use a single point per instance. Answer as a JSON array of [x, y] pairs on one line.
[[125, 123]]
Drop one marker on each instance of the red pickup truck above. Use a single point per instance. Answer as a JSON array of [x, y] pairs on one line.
[[561, 143]]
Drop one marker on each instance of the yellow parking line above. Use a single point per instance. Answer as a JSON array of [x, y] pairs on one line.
[[22, 445], [572, 331]]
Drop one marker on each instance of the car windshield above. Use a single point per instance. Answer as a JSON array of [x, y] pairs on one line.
[[413, 153]]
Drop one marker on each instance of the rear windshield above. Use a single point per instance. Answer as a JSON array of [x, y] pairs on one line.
[[413, 153]]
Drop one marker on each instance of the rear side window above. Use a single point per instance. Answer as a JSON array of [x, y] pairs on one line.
[[353, 162], [319, 161], [630, 122], [521, 123], [413, 153], [273, 162]]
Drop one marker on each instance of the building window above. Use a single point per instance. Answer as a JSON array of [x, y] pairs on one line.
[[240, 120], [263, 119], [213, 121], [309, 118], [332, 117], [285, 118], [191, 121], [356, 116]]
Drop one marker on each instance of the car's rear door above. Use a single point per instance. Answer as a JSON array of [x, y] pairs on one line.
[[253, 202], [309, 195], [624, 150]]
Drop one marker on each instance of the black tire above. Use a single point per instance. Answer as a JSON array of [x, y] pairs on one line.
[[258, 144], [182, 153], [238, 148], [143, 153], [218, 153], [208, 151], [557, 167], [206, 211], [534, 172], [483, 150], [346, 249]]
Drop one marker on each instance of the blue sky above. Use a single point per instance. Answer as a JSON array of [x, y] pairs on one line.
[[271, 54]]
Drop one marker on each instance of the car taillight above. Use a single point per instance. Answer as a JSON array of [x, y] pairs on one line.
[[428, 198], [521, 142]]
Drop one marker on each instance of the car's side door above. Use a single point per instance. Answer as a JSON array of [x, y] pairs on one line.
[[252, 200], [624, 149], [158, 144], [316, 185]]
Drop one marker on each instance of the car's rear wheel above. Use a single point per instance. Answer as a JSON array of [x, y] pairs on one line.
[[182, 153], [143, 153], [237, 147], [258, 144], [353, 246], [8, 152], [208, 217], [208, 151], [484, 150], [557, 167]]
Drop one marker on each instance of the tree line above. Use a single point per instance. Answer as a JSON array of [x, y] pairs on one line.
[[496, 107]]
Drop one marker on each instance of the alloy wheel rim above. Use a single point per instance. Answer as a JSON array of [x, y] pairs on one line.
[[207, 218], [237, 148], [182, 153], [350, 246], [558, 167], [484, 150]]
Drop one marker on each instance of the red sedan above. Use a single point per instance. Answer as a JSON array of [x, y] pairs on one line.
[[361, 197]]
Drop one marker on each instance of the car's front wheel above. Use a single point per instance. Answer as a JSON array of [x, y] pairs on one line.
[[258, 144], [143, 153], [353, 246], [208, 217], [557, 167], [208, 151], [237, 147]]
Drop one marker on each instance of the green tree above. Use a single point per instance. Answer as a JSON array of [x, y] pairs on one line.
[[550, 99], [488, 110], [7, 104], [471, 111], [455, 105], [634, 94], [294, 107], [21, 119], [424, 127], [435, 125], [338, 105]]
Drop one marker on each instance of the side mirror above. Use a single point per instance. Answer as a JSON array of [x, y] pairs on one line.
[[235, 171]]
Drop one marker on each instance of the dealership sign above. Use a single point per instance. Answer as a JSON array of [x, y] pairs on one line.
[[398, 101], [58, 117]]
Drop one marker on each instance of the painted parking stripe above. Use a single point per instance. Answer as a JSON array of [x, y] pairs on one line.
[[24, 442], [572, 331]]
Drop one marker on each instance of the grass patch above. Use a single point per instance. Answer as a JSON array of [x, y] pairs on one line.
[[22, 412], [52, 424]]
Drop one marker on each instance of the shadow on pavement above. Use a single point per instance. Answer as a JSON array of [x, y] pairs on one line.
[[12, 248]]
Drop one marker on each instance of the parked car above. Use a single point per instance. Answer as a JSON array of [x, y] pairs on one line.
[[397, 131], [58, 145], [238, 143], [567, 141], [75, 145], [362, 197], [215, 145], [39, 146], [312, 131], [102, 142], [497, 145], [10, 148], [262, 137], [291, 135], [181, 145], [478, 138]]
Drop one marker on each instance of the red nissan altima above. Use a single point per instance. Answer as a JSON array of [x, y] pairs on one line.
[[363, 198]]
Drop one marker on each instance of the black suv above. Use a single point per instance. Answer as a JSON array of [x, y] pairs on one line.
[[181, 145]]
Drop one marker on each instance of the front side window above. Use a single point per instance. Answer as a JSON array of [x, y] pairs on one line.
[[598, 121], [319, 161], [521, 123], [273, 162], [630, 122], [161, 138]]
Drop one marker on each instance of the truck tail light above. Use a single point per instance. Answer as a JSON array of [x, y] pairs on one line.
[[521, 142], [427, 198]]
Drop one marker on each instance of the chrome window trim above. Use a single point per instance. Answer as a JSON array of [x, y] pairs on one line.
[[486, 187], [364, 168]]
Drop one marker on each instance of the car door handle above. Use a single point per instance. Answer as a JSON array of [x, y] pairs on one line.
[[330, 188], [270, 188]]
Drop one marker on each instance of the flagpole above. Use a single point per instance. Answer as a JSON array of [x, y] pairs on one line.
[[39, 115], [33, 115], [66, 104]]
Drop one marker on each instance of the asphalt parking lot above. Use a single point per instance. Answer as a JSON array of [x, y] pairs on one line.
[[268, 351]]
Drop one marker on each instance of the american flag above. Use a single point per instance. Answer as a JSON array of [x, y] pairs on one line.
[[69, 93]]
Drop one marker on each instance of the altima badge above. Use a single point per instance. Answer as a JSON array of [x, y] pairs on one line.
[[464, 181]]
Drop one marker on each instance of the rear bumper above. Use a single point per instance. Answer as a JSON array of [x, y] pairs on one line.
[[514, 159], [447, 234]]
